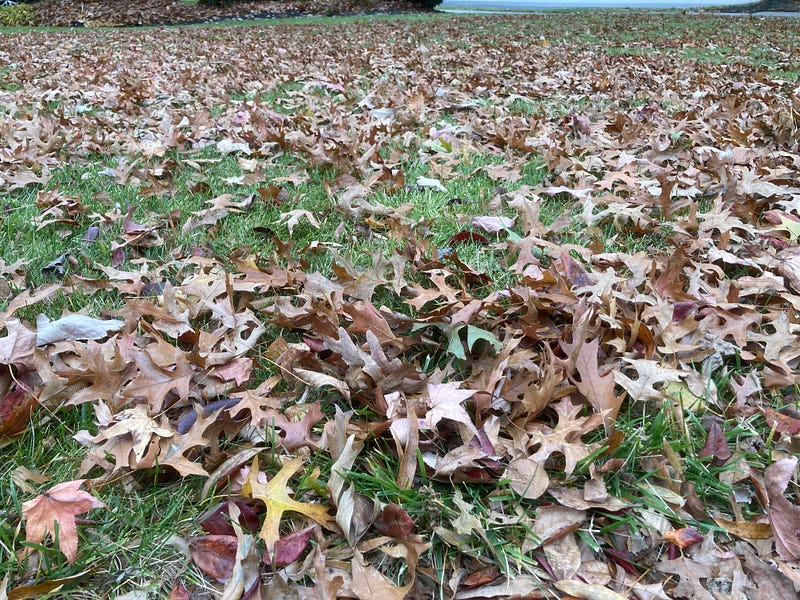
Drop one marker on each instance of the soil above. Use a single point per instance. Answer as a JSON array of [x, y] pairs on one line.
[[125, 13]]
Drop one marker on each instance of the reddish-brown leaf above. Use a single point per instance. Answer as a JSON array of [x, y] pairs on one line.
[[16, 409], [179, 592], [468, 237], [215, 555], [781, 423], [217, 521], [394, 521], [289, 548], [683, 538], [716, 446], [480, 577]]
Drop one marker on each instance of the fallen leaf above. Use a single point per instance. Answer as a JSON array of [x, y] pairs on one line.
[[215, 555], [683, 538], [277, 501], [370, 584], [587, 591], [290, 547], [783, 515], [58, 507], [715, 446], [394, 521]]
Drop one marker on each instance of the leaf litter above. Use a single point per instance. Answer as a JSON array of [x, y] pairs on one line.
[[666, 289]]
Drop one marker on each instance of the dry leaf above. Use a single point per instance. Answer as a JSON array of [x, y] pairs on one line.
[[275, 497], [59, 506]]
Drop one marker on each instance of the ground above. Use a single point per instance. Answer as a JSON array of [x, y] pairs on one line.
[[440, 306]]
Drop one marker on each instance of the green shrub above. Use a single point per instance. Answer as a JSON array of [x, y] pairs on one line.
[[16, 15]]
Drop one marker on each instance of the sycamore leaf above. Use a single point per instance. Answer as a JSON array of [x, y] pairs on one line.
[[276, 498], [58, 507]]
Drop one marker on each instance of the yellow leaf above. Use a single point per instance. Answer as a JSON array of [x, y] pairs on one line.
[[680, 393], [749, 530], [274, 495], [791, 226]]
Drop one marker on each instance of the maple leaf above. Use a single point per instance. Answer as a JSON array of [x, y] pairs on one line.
[[276, 498], [58, 507]]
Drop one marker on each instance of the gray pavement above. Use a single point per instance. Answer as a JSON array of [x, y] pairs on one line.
[[538, 5]]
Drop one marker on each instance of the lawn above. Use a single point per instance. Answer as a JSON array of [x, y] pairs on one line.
[[422, 306]]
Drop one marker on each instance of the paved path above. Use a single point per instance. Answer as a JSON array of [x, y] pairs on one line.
[[537, 5]]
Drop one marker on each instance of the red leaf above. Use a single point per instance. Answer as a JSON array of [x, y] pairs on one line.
[[681, 310], [290, 547], [217, 521], [315, 344], [179, 592], [215, 555], [394, 521], [468, 236], [683, 538], [16, 409]]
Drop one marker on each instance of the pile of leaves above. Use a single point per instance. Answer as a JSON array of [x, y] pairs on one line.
[[413, 422], [119, 13]]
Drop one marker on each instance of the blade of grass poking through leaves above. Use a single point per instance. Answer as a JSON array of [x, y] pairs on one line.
[[276, 498]]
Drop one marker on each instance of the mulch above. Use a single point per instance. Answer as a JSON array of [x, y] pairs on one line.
[[125, 13]]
